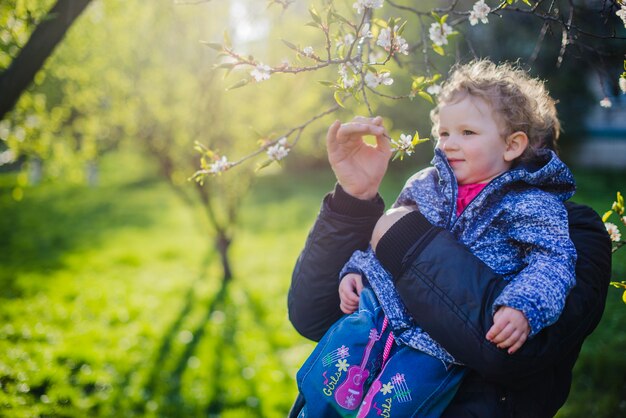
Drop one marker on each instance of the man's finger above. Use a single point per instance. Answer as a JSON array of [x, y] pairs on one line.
[[348, 129], [382, 143], [331, 135]]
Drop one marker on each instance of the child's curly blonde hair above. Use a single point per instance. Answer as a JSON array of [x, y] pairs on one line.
[[521, 102]]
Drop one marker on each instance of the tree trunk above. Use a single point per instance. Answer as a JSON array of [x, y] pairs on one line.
[[46, 36], [223, 244]]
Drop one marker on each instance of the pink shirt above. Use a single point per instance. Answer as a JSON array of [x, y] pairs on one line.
[[467, 192]]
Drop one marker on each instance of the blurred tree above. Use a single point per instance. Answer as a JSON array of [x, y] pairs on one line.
[[137, 75], [49, 31]]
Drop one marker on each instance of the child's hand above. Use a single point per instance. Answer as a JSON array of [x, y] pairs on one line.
[[349, 292], [510, 329]]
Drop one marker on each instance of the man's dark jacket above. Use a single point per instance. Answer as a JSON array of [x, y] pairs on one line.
[[450, 292]]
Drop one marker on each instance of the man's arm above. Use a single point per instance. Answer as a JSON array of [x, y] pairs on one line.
[[343, 225], [450, 293]]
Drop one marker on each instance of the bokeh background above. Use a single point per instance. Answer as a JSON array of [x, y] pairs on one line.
[[128, 290]]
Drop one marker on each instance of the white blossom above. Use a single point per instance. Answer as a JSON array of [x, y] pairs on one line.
[[404, 144], [479, 12], [376, 56], [391, 41], [384, 39], [220, 165], [32, 121], [622, 84], [365, 31], [279, 150], [401, 45], [435, 89], [5, 129], [7, 157], [606, 102], [347, 80], [347, 40], [361, 5], [439, 33], [621, 13], [308, 51], [261, 72], [613, 231], [20, 134], [374, 80]]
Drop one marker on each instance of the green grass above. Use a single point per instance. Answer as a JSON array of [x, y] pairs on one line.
[[111, 301]]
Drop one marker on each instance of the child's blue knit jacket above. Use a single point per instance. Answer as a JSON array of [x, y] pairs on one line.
[[517, 225]]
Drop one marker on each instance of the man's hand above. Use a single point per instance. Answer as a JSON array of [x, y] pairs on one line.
[[349, 292], [510, 329], [386, 221], [359, 167]]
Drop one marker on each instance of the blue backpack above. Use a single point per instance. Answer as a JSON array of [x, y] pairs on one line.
[[356, 370]]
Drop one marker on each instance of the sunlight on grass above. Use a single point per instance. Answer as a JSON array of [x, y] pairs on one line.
[[113, 305]]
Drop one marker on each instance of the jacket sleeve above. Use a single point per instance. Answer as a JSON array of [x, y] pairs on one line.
[[356, 264], [540, 289], [343, 225], [458, 317]]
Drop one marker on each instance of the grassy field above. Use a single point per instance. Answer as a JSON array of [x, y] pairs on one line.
[[111, 301]]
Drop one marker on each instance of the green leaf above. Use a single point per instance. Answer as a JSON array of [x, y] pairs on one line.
[[264, 164], [227, 41], [426, 96], [338, 98], [314, 25], [401, 28], [340, 17], [213, 45], [290, 45], [438, 50], [327, 83], [443, 19], [527, 2], [238, 84], [606, 215], [417, 140], [379, 22], [229, 65], [316, 17]]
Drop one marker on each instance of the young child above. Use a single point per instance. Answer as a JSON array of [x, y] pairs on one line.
[[499, 189]]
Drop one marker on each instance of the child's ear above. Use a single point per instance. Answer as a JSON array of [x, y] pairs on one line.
[[516, 144]]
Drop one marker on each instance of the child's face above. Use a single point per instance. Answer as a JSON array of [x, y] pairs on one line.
[[470, 137]]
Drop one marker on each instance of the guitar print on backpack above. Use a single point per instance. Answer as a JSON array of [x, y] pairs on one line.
[[350, 392]]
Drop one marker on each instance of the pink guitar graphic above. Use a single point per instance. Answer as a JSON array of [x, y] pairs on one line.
[[367, 402], [350, 393]]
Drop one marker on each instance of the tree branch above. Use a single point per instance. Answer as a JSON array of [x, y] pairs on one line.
[[42, 42]]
